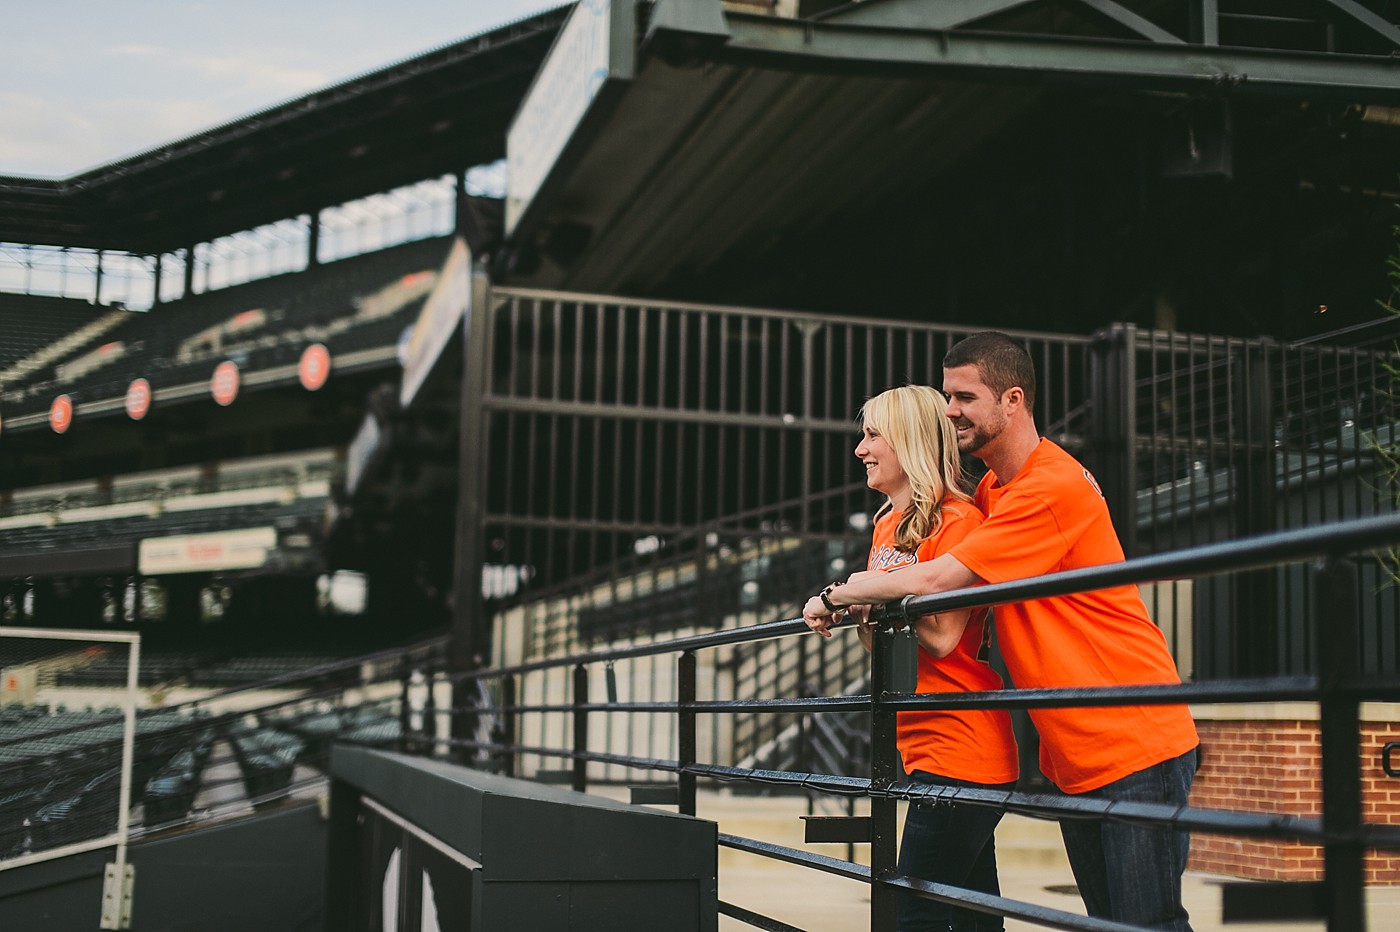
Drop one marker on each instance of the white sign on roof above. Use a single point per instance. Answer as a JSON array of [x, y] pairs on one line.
[[566, 84]]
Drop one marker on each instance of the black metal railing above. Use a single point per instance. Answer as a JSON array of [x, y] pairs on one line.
[[632, 442], [1339, 687]]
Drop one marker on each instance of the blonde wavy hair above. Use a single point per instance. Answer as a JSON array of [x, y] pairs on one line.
[[913, 419]]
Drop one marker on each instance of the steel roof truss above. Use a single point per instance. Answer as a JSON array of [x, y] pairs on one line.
[[884, 33]]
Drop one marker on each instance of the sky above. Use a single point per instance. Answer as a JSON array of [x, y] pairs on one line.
[[86, 82]]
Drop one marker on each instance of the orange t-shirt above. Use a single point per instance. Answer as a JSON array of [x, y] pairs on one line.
[[1051, 516], [974, 745]]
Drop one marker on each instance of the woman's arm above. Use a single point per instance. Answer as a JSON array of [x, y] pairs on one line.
[[940, 633]]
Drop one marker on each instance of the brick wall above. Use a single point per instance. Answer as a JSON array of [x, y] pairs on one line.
[[1275, 765]]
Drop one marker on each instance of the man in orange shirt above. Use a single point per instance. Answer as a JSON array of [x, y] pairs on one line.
[[1045, 514]]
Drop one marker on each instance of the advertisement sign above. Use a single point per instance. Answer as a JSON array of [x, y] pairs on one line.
[[315, 367], [61, 414], [243, 549], [138, 399], [566, 84], [224, 383]]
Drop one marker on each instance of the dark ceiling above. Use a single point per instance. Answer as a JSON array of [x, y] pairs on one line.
[[880, 158], [438, 113], [761, 167]]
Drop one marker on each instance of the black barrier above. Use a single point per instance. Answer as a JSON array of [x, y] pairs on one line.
[[1339, 689]]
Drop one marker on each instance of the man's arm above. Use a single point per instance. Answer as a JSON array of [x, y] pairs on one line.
[[942, 574]]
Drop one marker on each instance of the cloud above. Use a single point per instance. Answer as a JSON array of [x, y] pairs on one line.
[[258, 74], [85, 82], [137, 50], [41, 140]]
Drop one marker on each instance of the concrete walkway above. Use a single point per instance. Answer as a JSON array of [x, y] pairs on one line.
[[1033, 869]]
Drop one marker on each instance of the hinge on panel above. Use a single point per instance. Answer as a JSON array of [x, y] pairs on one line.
[[116, 896]]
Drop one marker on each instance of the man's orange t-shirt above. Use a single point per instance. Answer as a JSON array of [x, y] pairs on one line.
[[974, 745], [1050, 517]]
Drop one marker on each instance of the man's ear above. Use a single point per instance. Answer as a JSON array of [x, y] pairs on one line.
[[1014, 397]]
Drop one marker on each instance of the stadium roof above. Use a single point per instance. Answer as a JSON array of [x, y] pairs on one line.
[[736, 135], [437, 113]]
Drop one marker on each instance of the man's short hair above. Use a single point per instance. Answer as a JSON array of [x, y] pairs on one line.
[[1002, 362]]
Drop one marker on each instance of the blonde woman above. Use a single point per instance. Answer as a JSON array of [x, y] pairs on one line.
[[909, 449]]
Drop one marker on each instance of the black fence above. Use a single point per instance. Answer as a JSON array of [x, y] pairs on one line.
[[1339, 686], [633, 447], [656, 470]]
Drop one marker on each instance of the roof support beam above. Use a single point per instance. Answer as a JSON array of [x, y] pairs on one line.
[[901, 14], [1368, 19], [1131, 21], [957, 14], [1205, 22], [827, 46]]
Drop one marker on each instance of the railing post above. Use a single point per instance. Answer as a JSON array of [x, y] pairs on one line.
[[884, 771], [1337, 625], [1255, 468], [1113, 376], [428, 745], [685, 731], [469, 645], [580, 782], [509, 726], [405, 709]]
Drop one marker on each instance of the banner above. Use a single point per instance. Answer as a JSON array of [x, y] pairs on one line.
[[243, 549]]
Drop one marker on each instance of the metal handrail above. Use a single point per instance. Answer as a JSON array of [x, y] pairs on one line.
[[1338, 690], [1291, 546]]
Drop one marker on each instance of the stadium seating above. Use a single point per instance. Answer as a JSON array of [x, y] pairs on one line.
[[34, 325], [350, 305]]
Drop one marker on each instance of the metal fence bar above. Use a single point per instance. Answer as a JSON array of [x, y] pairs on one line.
[[580, 769], [685, 729], [1341, 830], [1338, 644], [1264, 550], [884, 771]]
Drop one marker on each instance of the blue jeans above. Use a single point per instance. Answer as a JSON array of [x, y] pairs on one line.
[[1132, 873], [949, 844]]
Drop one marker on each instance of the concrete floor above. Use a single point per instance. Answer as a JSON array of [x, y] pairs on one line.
[[1032, 869]]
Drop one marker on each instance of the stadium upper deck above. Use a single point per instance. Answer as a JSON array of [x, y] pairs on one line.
[[1212, 167]]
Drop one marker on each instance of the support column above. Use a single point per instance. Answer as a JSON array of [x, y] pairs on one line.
[[189, 272], [1338, 635], [313, 240], [1113, 376], [470, 643], [459, 202], [1256, 598]]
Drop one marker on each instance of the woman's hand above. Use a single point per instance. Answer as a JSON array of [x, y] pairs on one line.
[[820, 618], [864, 629]]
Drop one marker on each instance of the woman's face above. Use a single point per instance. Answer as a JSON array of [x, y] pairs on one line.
[[882, 470]]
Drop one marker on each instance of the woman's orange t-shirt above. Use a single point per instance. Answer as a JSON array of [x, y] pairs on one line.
[[976, 745], [1050, 517]]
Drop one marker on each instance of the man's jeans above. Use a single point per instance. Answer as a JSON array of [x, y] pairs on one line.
[[1133, 873], [948, 844]]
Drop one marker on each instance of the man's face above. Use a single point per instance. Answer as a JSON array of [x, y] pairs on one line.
[[974, 408]]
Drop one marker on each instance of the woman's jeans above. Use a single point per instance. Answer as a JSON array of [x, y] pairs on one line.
[[952, 844], [1132, 873]]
